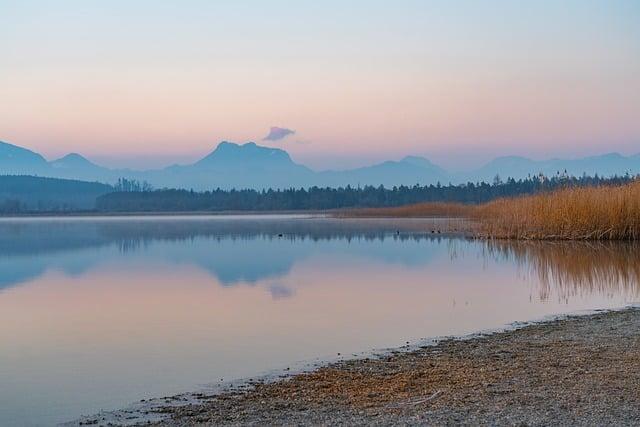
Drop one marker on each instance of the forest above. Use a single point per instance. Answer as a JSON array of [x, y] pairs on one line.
[[24, 194], [30, 194], [315, 198]]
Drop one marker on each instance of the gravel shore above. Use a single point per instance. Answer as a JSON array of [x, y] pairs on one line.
[[582, 370]]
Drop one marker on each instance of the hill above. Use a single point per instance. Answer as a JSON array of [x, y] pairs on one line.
[[29, 193]]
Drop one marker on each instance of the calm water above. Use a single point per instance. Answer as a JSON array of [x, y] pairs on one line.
[[98, 313]]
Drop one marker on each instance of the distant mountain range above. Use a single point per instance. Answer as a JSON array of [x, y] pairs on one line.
[[252, 166]]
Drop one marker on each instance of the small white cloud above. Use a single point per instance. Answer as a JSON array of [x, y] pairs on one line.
[[278, 133]]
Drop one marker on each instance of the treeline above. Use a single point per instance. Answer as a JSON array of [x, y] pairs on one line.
[[316, 198], [21, 194], [131, 185]]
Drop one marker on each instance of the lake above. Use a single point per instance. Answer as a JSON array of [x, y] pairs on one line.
[[96, 313]]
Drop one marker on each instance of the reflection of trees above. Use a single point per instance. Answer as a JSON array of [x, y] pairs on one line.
[[26, 238], [566, 269], [266, 248], [293, 229], [576, 268]]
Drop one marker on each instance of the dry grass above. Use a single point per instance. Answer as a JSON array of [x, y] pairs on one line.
[[581, 213], [420, 210], [588, 213]]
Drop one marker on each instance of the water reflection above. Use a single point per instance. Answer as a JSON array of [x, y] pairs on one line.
[[233, 250], [97, 313], [251, 249], [570, 269]]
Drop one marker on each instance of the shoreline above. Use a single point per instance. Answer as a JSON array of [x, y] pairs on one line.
[[335, 214], [97, 214], [477, 378]]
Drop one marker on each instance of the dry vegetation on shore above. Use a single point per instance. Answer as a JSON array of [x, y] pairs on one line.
[[588, 213], [577, 213], [578, 371]]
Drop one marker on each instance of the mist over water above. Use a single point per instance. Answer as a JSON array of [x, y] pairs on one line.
[[96, 313]]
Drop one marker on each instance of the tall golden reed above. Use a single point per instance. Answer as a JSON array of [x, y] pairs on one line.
[[576, 213], [586, 213]]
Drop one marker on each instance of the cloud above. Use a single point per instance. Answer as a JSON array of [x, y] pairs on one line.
[[280, 291], [277, 133]]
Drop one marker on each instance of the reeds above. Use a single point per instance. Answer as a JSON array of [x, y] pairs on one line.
[[576, 213], [585, 213]]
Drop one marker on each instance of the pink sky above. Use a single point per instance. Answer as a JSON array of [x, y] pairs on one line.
[[457, 84]]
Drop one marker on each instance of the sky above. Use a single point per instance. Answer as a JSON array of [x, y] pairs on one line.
[[147, 83]]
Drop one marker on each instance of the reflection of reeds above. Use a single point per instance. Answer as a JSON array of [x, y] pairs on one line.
[[577, 268], [589, 213]]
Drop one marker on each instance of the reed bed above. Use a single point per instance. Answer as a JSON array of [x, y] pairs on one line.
[[585, 213], [576, 213]]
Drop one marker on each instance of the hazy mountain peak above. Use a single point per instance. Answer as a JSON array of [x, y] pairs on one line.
[[13, 151], [14, 159], [610, 156], [512, 158], [519, 167], [226, 145], [249, 153], [418, 161], [72, 160], [509, 161]]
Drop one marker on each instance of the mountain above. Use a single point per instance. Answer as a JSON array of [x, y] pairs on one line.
[[422, 162], [73, 161], [520, 167], [18, 160], [507, 166], [409, 171], [228, 155], [75, 166], [232, 165], [249, 165]]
